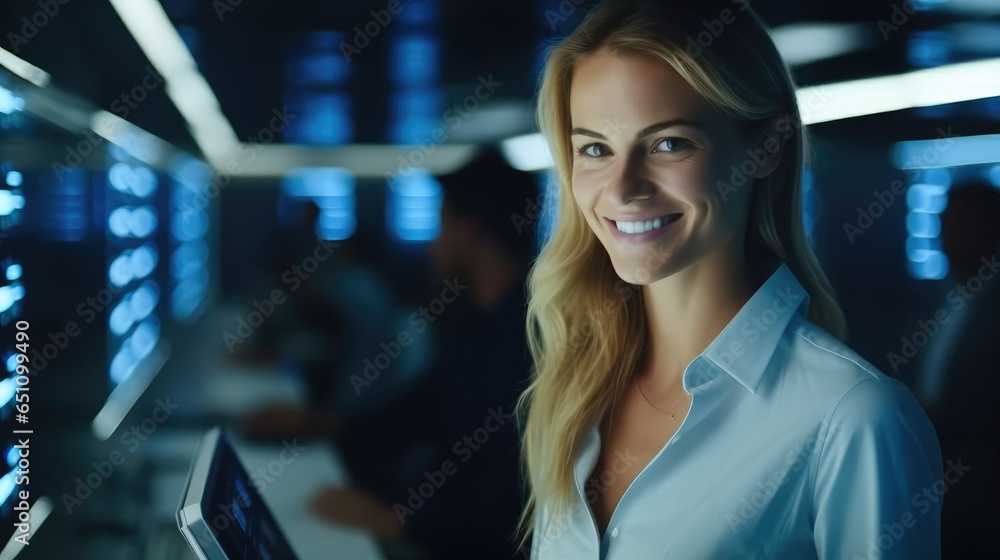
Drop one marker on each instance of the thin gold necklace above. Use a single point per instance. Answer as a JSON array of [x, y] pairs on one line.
[[671, 413]]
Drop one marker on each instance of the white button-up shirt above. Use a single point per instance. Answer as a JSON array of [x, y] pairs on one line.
[[794, 447]]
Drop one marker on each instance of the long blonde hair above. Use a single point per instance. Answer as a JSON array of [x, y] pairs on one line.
[[586, 327]]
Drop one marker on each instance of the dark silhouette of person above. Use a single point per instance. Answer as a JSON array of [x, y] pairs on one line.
[[439, 466], [957, 380]]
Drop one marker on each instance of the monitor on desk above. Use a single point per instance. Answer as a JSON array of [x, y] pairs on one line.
[[221, 515]]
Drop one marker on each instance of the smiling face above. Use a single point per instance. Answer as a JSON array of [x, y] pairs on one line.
[[651, 164]]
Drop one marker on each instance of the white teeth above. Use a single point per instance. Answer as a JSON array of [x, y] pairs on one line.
[[639, 227]]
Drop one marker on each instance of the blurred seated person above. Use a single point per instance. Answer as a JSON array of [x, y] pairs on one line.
[[454, 431], [957, 380]]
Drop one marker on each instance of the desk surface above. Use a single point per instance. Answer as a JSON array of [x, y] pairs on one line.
[[290, 483], [232, 390]]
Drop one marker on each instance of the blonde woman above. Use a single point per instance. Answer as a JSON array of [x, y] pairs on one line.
[[692, 398]]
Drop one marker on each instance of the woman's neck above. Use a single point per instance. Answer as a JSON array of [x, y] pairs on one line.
[[687, 310]]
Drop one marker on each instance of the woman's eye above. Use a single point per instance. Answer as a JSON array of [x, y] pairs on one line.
[[593, 150], [671, 145]]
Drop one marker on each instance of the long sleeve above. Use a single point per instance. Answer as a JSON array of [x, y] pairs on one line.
[[879, 482]]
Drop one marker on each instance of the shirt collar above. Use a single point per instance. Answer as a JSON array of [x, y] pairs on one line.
[[744, 348]]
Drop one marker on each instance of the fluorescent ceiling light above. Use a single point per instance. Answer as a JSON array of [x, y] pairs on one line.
[[125, 395], [529, 152], [946, 152], [37, 513], [137, 142], [922, 88], [802, 43], [24, 69], [934, 86], [186, 87]]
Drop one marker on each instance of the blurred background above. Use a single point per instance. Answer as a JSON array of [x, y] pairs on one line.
[[214, 208]]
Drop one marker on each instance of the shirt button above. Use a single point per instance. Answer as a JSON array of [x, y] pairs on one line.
[[614, 532]]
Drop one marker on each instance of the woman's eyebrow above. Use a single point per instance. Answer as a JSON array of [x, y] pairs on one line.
[[644, 132]]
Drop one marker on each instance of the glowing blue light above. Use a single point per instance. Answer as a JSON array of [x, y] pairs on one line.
[[7, 390], [7, 486], [419, 12], [134, 349], [192, 174], [144, 300], [190, 225], [120, 319], [118, 222], [120, 269], [13, 272], [323, 68], [929, 48], [414, 210], [14, 178], [188, 295], [143, 221], [920, 224], [9, 295], [12, 363], [415, 60], [934, 176], [916, 247], [9, 202], [137, 180], [12, 456], [130, 265], [188, 257], [133, 307], [9, 102], [144, 260], [318, 181], [144, 337], [931, 265], [994, 175], [121, 365], [415, 113], [924, 197], [323, 118]]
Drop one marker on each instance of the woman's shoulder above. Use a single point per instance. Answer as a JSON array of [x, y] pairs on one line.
[[826, 373]]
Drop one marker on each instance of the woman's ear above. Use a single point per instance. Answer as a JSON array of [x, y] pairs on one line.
[[768, 144]]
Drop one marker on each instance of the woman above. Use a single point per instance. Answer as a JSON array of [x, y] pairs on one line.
[[692, 398]]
